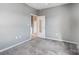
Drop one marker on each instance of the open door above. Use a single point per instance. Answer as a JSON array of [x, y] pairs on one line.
[[41, 32], [38, 26]]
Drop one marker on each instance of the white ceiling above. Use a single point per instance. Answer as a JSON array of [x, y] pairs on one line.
[[40, 6]]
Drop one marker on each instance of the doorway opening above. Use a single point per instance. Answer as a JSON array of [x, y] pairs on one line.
[[37, 26]]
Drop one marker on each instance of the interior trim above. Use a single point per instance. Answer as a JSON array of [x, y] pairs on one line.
[[2, 50], [60, 40]]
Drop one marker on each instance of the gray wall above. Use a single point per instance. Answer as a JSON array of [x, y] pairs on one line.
[[75, 16], [14, 23], [58, 23]]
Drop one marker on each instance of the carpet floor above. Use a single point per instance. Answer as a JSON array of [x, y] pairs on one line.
[[40, 46]]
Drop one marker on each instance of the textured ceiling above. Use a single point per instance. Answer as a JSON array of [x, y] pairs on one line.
[[40, 6]]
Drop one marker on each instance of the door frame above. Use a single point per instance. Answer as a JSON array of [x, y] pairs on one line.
[[30, 26]]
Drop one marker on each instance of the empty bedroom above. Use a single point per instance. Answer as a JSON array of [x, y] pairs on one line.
[[39, 28]]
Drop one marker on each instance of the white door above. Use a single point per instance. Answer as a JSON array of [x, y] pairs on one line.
[[41, 28]]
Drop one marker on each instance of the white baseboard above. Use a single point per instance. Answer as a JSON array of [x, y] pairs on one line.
[[14, 45], [30, 39], [60, 40]]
